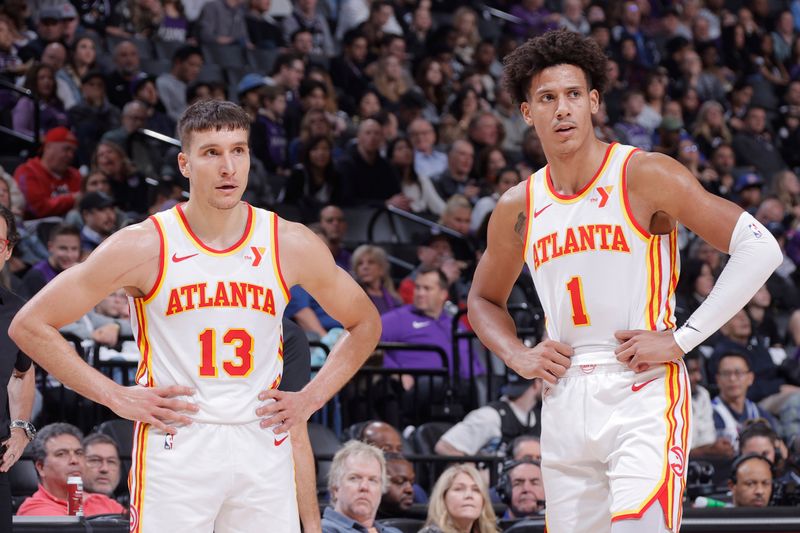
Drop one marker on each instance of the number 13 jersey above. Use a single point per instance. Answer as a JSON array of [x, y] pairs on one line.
[[596, 270], [213, 318]]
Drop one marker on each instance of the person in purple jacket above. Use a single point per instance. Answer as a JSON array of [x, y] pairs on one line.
[[426, 321]]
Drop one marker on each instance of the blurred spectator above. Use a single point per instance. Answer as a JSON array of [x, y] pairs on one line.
[[41, 81], [748, 189], [264, 31], [127, 65], [356, 481], [490, 161], [143, 89], [378, 24], [419, 189], [630, 27], [754, 145], [759, 311], [383, 436], [57, 453], [334, 226], [103, 466], [460, 502], [628, 129], [704, 435], [99, 219], [433, 251], [425, 322], [708, 86], [268, 139], [127, 183], [485, 132], [10, 63], [367, 177], [732, 408], [492, 428], [370, 268], [427, 160], [536, 18], [49, 29], [391, 81], [694, 285], [710, 131], [187, 61], [50, 185], [433, 84], [174, 25], [456, 179], [348, 69], [313, 182], [507, 178], [399, 494], [82, 61], [572, 17], [64, 249], [92, 115], [352, 13], [223, 22], [306, 16], [758, 437], [521, 488], [751, 481]]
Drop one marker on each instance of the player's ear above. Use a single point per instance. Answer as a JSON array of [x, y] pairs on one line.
[[594, 101], [183, 164], [527, 116]]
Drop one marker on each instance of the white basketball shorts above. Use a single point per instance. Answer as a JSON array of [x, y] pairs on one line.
[[614, 443]]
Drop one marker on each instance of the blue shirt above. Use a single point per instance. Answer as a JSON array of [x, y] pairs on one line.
[[408, 324], [299, 299], [333, 522]]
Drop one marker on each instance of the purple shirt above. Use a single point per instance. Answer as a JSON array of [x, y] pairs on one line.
[[533, 22], [408, 324]]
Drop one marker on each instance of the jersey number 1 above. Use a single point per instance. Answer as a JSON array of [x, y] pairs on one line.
[[579, 315], [243, 351]]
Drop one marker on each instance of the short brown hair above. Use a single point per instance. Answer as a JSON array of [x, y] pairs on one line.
[[557, 47], [207, 115]]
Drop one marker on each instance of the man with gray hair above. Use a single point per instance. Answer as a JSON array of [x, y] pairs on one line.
[[356, 482], [58, 454]]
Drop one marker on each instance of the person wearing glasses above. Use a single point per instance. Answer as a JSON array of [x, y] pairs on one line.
[[732, 408], [102, 470]]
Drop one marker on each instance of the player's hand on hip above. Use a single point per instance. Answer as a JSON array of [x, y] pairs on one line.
[[157, 406], [548, 360], [641, 348], [287, 409]]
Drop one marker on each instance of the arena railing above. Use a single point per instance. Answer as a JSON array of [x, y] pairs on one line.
[[30, 140]]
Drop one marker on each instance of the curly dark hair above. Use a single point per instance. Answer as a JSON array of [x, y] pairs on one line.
[[557, 47]]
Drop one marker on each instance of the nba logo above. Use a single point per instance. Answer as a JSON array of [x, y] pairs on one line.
[[168, 442], [756, 231]]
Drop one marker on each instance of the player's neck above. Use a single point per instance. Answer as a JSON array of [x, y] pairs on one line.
[[571, 171], [217, 228]]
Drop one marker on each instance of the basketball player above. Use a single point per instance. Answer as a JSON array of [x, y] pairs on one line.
[[208, 282], [597, 229]]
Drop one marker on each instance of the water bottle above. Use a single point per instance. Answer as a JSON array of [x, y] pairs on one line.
[[702, 501]]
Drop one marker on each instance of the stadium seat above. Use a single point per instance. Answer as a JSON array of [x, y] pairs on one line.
[[406, 525], [324, 442], [224, 55], [211, 72], [262, 60], [427, 435], [121, 431], [166, 49], [23, 480], [156, 67]]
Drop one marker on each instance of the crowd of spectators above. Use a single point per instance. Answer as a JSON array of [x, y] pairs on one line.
[[399, 104]]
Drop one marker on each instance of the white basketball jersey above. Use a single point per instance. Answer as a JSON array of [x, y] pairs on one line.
[[595, 269], [213, 319]]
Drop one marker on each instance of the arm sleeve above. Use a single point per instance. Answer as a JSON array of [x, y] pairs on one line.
[[755, 254]]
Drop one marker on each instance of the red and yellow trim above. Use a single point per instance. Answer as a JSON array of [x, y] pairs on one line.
[[586, 189], [136, 478], [183, 222], [162, 260], [664, 489], [626, 204], [528, 215], [143, 341], [669, 319], [276, 258]]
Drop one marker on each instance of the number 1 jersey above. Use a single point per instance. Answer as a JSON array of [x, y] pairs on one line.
[[213, 318], [596, 270]]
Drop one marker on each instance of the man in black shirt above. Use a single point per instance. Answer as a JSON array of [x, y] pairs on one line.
[[16, 379]]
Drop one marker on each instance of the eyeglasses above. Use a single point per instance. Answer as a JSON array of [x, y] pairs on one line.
[[728, 374], [689, 149]]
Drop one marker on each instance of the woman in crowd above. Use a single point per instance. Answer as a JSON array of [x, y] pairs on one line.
[[418, 189], [391, 81], [82, 59], [693, 287], [433, 84], [127, 184], [710, 130], [655, 95], [786, 187], [314, 181], [460, 503], [41, 81], [490, 161], [506, 178], [370, 266]]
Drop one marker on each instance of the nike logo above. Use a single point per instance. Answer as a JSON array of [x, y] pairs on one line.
[[417, 325], [636, 387], [539, 212], [279, 442], [176, 259], [692, 327]]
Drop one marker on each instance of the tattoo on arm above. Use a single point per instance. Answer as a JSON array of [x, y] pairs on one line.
[[519, 227]]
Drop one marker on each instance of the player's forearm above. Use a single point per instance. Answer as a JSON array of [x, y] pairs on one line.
[[305, 479], [494, 326], [346, 357], [45, 345], [21, 391], [445, 448]]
